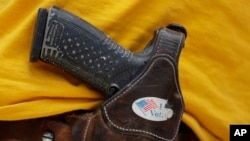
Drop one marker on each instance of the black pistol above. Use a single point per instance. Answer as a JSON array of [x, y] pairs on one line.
[[77, 47]]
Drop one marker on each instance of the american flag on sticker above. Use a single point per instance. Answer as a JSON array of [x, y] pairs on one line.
[[146, 104]]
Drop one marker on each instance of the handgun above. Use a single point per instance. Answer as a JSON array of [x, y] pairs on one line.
[[79, 48]]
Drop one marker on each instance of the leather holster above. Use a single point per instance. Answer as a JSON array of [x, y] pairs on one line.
[[149, 108], [145, 110]]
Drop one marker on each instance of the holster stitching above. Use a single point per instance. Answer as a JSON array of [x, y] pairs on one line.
[[87, 127], [86, 130], [136, 130]]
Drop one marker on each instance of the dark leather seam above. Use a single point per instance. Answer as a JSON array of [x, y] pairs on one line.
[[113, 100]]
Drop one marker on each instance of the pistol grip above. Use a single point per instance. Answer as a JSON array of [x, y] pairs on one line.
[[77, 47]]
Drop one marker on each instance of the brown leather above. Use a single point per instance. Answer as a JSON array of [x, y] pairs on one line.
[[33, 129], [161, 68], [114, 120], [149, 108]]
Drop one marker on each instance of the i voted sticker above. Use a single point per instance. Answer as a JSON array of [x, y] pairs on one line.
[[152, 108]]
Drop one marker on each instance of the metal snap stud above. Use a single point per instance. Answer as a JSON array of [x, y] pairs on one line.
[[113, 89], [47, 136]]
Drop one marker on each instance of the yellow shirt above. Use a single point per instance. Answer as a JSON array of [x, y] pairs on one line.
[[213, 67]]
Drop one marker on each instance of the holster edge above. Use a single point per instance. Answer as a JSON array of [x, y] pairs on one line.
[[109, 105]]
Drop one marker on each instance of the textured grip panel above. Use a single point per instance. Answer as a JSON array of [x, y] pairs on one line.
[[82, 50], [77, 47]]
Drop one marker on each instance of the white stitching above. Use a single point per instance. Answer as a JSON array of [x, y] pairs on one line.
[[86, 130], [136, 130], [179, 46], [177, 86], [88, 122], [158, 46]]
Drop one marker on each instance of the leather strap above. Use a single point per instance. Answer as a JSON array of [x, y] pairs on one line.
[[60, 128]]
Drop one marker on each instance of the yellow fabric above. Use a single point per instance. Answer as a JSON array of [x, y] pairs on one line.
[[214, 65]]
